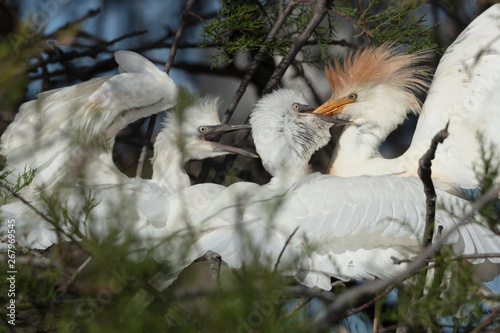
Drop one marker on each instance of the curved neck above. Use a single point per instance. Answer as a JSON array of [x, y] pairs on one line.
[[168, 168], [358, 145], [288, 174]]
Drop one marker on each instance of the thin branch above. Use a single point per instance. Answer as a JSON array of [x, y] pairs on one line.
[[487, 321], [352, 21], [425, 173], [398, 261], [318, 15], [370, 302], [90, 13], [284, 248], [65, 286], [363, 17], [168, 66], [214, 262]]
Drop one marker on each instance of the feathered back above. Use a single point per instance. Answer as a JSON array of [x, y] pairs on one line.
[[378, 66]]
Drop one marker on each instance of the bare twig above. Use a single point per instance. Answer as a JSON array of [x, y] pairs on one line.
[[370, 302], [65, 286], [90, 13], [168, 66], [318, 15], [284, 248], [368, 33], [214, 262], [487, 321], [425, 172], [398, 261]]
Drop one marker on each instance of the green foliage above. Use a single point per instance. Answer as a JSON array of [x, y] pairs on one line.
[[24, 179], [398, 22], [243, 26]]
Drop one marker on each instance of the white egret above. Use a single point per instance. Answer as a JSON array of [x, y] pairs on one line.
[[375, 88], [134, 202], [348, 228], [72, 130]]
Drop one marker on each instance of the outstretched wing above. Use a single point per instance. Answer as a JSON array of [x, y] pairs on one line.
[[465, 92], [62, 127], [349, 228]]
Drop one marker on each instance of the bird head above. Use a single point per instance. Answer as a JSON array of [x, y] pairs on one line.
[[195, 130], [375, 85], [285, 132]]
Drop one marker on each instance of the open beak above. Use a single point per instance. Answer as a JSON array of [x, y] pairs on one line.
[[333, 106], [336, 119], [215, 131]]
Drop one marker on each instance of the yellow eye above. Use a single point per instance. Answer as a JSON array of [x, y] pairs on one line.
[[352, 96], [202, 129], [296, 106]]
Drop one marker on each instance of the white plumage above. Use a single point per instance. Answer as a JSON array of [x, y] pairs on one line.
[[463, 92], [348, 228], [133, 203], [71, 131]]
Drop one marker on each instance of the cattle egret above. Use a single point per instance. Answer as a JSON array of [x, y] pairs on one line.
[[374, 87], [348, 228], [134, 202], [190, 136], [67, 130]]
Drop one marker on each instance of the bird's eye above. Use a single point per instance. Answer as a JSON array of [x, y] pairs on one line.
[[296, 106], [202, 129], [352, 96]]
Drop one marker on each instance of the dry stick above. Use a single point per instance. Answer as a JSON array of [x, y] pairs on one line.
[[486, 322], [89, 14], [214, 262], [425, 172], [168, 66], [284, 247]]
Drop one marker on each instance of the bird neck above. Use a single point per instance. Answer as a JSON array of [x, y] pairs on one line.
[[357, 146], [288, 174], [168, 165]]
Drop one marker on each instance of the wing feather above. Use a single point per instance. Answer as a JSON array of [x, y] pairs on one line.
[[464, 92]]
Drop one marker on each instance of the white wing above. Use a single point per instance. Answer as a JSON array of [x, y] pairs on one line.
[[66, 127], [464, 91], [355, 225], [348, 228]]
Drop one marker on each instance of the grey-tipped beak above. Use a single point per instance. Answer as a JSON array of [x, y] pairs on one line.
[[215, 131], [233, 150], [336, 119]]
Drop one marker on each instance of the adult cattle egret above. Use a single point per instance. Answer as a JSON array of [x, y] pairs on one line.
[[348, 228], [134, 202], [67, 130], [374, 87]]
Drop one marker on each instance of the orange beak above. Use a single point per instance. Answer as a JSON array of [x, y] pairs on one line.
[[333, 106]]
